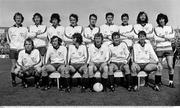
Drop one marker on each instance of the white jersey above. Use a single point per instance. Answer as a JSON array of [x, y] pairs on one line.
[[40, 40], [77, 55], [98, 55], [119, 53], [70, 30], [56, 55], [108, 30], [126, 31], [168, 33], [58, 31], [88, 34], [148, 28], [144, 54], [16, 37], [28, 60]]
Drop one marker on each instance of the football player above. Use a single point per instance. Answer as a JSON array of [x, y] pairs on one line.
[[72, 28], [77, 59], [108, 28], [98, 60], [29, 63], [119, 58], [145, 59], [55, 60], [16, 36], [91, 29], [164, 35], [56, 29]]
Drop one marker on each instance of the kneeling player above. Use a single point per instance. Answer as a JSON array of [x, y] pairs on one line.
[[29, 63], [144, 58], [56, 54], [119, 57], [77, 59], [98, 59]]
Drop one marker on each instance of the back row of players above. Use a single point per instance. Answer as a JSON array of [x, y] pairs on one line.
[[99, 58]]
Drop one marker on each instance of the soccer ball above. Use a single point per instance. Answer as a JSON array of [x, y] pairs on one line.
[[98, 87]]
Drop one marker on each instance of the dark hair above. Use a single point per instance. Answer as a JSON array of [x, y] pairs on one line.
[[29, 40], [142, 32], [59, 39], [39, 15], [78, 37], [138, 17], [55, 16], [161, 16], [74, 16], [115, 34], [99, 35], [92, 15], [18, 14], [109, 13], [124, 15]]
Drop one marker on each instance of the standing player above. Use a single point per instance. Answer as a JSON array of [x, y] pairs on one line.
[[126, 30], [108, 28], [16, 36], [98, 59], [91, 29], [72, 28], [56, 29], [38, 33], [55, 61], [145, 59], [143, 25], [119, 58], [77, 59], [29, 63], [163, 36]]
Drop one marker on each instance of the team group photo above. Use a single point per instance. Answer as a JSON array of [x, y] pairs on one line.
[[106, 63]]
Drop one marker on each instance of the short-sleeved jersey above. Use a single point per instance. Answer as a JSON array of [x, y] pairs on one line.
[[28, 60], [77, 55], [89, 32], [70, 30], [56, 55], [16, 36], [58, 31], [144, 54], [168, 33], [119, 53], [98, 55], [41, 39], [148, 28], [107, 30], [126, 31]]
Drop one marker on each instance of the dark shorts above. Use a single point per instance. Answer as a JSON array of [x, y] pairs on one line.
[[161, 54], [42, 50], [13, 54], [98, 65], [119, 65], [56, 65], [142, 65], [77, 65]]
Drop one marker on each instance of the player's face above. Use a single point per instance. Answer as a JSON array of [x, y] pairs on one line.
[[116, 40], [92, 20], [28, 46], [98, 40], [142, 38], [54, 22], [55, 42], [37, 20], [162, 22], [73, 21], [18, 19], [125, 20], [143, 17], [109, 19]]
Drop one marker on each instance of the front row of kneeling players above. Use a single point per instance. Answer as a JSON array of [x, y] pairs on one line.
[[87, 60]]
